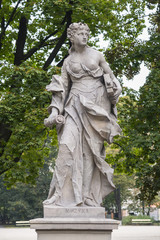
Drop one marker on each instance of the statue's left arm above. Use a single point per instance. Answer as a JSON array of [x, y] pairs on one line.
[[112, 84]]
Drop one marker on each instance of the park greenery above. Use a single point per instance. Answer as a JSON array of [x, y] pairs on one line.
[[33, 46], [128, 220], [139, 116]]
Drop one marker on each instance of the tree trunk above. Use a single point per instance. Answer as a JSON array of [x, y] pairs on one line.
[[5, 134], [118, 202], [20, 43], [149, 208], [143, 208], [60, 42]]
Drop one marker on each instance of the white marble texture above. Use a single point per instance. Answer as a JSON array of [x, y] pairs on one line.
[[51, 211], [83, 108]]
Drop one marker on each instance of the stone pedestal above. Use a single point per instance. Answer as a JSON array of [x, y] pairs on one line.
[[73, 212], [73, 229], [75, 223]]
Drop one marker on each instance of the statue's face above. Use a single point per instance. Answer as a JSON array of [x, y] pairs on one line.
[[80, 37]]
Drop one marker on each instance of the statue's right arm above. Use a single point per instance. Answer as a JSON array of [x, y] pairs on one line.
[[59, 88]]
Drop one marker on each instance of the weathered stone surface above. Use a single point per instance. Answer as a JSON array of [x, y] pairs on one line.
[[83, 108], [72, 235], [73, 228], [74, 223], [51, 211]]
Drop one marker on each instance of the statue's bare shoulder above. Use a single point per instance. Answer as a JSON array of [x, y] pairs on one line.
[[66, 60], [96, 55]]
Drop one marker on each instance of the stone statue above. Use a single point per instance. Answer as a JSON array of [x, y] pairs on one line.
[[83, 108]]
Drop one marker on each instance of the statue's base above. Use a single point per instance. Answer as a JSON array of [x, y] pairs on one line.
[[51, 211], [72, 223], [73, 228]]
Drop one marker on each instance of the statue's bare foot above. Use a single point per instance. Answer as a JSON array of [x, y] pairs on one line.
[[89, 202], [79, 204], [49, 201]]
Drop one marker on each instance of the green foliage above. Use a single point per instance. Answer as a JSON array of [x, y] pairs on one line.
[[124, 54], [138, 149], [125, 57], [41, 25], [128, 220], [125, 184], [149, 115], [32, 36], [23, 108], [24, 202]]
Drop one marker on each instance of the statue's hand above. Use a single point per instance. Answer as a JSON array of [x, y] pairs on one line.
[[108, 80], [48, 122], [54, 118]]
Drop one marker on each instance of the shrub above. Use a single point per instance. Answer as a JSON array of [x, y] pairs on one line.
[[128, 220]]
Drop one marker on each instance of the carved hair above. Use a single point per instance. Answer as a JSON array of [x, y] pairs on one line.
[[73, 28]]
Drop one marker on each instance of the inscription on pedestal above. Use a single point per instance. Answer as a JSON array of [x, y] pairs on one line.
[[76, 210]]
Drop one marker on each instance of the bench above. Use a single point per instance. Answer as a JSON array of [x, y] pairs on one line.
[[22, 223], [142, 221]]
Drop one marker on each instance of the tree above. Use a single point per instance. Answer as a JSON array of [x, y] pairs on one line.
[[121, 195], [139, 147], [22, 201], [37, 30], [22, 110], [32, 36]]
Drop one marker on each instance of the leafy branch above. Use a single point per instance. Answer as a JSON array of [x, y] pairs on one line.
[[3, 27]]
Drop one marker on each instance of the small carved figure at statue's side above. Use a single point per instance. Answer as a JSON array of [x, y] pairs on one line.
[[83, 107]]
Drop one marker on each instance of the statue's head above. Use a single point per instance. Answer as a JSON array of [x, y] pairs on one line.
[[74, 28]]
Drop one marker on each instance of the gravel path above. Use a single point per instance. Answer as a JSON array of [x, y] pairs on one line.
[[123, 233]]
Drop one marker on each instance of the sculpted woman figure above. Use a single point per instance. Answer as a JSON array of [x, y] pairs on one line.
[[84, 109]]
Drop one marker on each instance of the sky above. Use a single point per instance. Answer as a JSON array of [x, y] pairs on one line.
[[138, 80]]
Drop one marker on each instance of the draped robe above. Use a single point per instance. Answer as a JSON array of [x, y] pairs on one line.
[[90, 119]]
